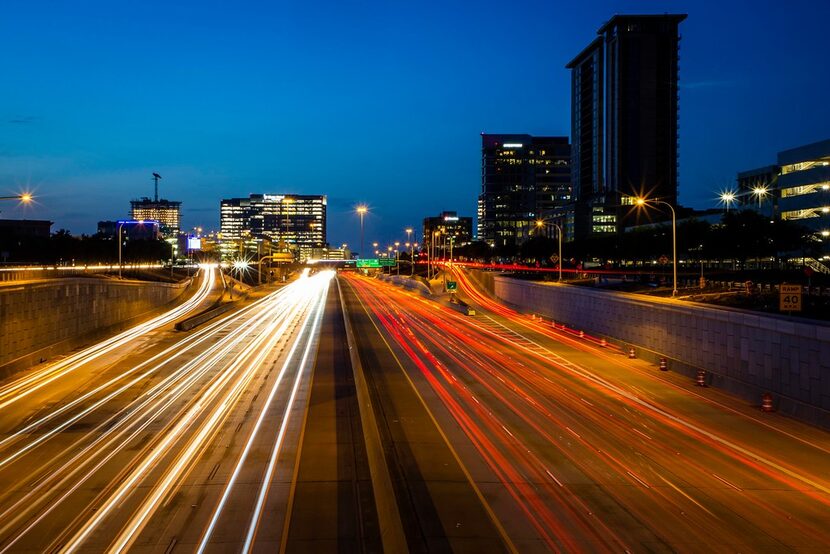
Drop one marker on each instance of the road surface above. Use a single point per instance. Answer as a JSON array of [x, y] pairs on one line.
[[575, 447], [188, 443]]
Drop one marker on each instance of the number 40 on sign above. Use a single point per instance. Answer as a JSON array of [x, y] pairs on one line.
[[790, 298]]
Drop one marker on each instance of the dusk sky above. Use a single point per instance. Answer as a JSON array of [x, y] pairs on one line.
[[375, 102]]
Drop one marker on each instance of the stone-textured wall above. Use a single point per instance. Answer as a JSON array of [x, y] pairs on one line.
[[744, 352], [37, 317]]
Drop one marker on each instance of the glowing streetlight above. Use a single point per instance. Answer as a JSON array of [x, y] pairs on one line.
[[760, 193], [408, 234], [361, 211], [24, 198], [727, 198], [540, 223], [643, 202]]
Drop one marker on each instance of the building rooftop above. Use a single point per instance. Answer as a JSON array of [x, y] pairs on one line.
[[619, 20]]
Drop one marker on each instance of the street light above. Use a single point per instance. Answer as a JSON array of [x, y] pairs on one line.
[[760, 192], [120, 226], [541, 223], [643, 202], [727, 198], [412, 258], [24, 198], [361, 211]]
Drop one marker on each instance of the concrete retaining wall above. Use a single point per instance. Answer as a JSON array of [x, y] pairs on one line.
[[39, 320], [744, 352]]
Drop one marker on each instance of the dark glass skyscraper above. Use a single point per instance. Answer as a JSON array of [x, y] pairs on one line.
[[624, 112], [522, 179]]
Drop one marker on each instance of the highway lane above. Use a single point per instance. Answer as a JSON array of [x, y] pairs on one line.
[[28, 382], [188, 445], [594, 452]]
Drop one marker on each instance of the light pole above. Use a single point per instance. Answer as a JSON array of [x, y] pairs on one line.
[[643, 202], [727, 198], [397, 262], [542, 223], [760, 193], [120, 226], [361, 211], [24, 198]]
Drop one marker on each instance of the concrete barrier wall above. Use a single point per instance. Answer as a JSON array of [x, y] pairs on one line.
[[744, 352], [38, 320]]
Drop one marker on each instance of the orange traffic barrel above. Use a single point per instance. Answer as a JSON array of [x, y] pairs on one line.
[[701, 378], [766, 402], [664, 364], [631, 353], [581, 334]]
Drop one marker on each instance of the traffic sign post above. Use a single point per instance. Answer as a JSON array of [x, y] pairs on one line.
[[790, 298]]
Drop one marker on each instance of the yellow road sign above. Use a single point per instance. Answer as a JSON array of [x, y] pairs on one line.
[[790, 298]]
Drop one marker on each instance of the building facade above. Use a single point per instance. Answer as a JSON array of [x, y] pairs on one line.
[[166, 212], [523, 178], [796, 188], [449, 225], [292, 222], [624, 113]]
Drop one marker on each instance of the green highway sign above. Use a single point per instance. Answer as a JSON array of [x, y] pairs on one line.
[[368, 263], [452, 285], [376, 262]]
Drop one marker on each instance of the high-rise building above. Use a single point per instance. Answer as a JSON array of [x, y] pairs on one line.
[[523, 178], [451, 227], [166, 212], [297, 222], [624, 113]]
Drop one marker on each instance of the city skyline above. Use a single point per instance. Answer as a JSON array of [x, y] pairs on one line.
[[219, 107]]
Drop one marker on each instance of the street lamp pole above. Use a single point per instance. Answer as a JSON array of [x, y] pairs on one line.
[[361, 210], [642, 202], [120, 225], [541, 223]]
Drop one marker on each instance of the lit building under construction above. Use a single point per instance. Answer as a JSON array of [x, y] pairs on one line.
[[166, 212], [294, 222]]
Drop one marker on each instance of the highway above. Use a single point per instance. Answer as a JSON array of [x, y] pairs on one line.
[[156, 440], [567, 445]]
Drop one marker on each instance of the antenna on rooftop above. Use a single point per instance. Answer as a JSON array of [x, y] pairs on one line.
[[156, 178]]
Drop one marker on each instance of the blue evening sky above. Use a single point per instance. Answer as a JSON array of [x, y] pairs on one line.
[[376, 102]]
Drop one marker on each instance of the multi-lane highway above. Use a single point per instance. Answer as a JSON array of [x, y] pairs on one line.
[[491, 433], [187, 442], [570, 446]]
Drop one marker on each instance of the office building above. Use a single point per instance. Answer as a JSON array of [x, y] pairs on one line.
[[796, 188], [166, 212], [523, 178], [624, 113], [25, 228], [295, 223], [449, 224]]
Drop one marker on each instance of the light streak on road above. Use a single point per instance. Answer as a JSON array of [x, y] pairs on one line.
[[308, 330], [188, 392], [19, 389], [546, 423], [223, 394]]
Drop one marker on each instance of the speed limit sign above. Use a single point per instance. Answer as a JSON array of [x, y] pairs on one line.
[[790, 298]]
